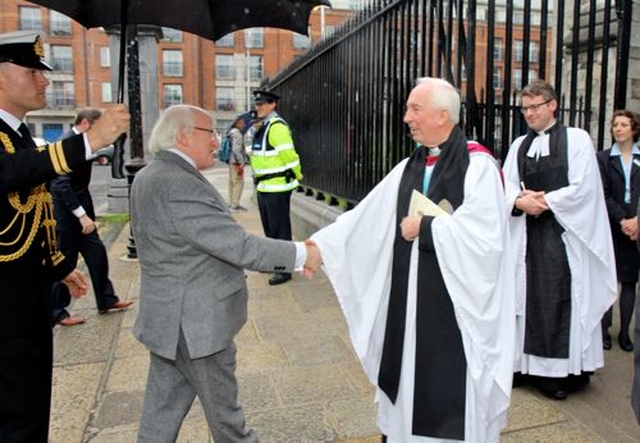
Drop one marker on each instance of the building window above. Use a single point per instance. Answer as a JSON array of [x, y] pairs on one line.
[[105, 57], [225, 67], [516, 76], [172, 95], [62, 58], [60, 24], [498, 49], [30, 19], [518, 17], [254, 38], [497, 77], [171, 35], [228, 41], [518, 49], [172, 65], [255, 67], [517, 79], [534, 52], [225, 100], [61, 94], [301, 41], [106, 92]]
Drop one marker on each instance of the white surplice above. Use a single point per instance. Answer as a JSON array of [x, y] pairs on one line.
[[580, 209], [470, 244]]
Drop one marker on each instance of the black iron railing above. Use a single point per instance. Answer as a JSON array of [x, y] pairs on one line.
[[345, 100]]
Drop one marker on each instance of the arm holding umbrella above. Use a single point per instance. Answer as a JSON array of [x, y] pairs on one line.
[[113, 122]]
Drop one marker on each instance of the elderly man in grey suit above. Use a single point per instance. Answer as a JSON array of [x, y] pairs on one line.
[[193, 297]]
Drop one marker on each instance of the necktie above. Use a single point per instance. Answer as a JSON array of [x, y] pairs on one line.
[[26, 136]]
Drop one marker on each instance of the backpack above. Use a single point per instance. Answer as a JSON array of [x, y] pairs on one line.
[[224, 153]]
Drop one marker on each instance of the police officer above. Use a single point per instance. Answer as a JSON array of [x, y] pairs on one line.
[[276, 171], [29, 258]]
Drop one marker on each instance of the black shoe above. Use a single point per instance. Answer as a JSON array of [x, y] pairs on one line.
[[625, 343], [560, 394], [278, 279], [519, 379], [606, 341]]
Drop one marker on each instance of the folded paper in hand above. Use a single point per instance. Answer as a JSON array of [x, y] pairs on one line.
[[420, 204]]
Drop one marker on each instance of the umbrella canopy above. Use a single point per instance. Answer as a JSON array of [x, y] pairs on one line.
[[211, 19]]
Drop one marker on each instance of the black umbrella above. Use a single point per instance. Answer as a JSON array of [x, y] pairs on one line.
[[211, 19]]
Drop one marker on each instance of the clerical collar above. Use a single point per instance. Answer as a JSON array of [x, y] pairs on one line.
[[547, 130], [432, 155]]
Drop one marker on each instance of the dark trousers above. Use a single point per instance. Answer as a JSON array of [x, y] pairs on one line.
[[25, 386], [274, 213], [95, 256]]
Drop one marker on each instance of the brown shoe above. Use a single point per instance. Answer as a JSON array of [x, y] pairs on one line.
[[71, 321], [118, 305]]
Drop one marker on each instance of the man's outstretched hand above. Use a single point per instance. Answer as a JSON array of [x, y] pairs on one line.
[[314, 259]]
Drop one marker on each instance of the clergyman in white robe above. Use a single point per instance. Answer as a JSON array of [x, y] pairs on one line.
[[580, 209], [470, 244]]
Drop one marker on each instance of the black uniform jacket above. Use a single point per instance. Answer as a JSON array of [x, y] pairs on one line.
[[627, 260], [29, 258]]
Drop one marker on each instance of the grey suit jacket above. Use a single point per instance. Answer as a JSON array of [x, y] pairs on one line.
[[192, 258]]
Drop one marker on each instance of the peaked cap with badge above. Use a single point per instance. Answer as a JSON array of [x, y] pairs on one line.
[[264, 96], [23, 48]]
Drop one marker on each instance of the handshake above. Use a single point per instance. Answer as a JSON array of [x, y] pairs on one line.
[[314, 259]]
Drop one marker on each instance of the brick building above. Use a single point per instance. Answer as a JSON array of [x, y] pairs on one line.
[[218, 76]]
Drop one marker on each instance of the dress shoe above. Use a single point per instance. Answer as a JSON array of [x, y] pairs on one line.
[[278, 279], [606, 341], [560, 394], [625, 343], [118, 305], [519, 379], [71, 321]]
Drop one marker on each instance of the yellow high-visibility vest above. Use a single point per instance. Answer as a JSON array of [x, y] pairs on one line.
[[274, 160]]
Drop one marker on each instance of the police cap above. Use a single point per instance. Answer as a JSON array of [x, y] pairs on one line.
[[23, 48], [262, 96]]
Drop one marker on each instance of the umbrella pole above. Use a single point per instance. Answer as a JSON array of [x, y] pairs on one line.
[[136, 162], [118, 147]]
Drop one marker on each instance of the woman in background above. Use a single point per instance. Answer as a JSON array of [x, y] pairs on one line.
[[620, 171]]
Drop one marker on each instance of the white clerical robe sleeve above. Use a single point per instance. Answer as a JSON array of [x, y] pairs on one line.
[[357, 251]]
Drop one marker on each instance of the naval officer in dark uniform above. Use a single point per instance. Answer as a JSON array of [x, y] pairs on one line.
[[29, 258]]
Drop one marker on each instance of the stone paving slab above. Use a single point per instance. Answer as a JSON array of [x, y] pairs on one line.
[[75, 391]]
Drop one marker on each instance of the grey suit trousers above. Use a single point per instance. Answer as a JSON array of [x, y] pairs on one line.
[[172, 387]]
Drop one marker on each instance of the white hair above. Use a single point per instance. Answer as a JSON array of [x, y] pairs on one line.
[[446, 97], [174, 120]]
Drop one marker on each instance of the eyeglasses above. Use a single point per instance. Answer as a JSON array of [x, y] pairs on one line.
[[210, 131], [535, 107]]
